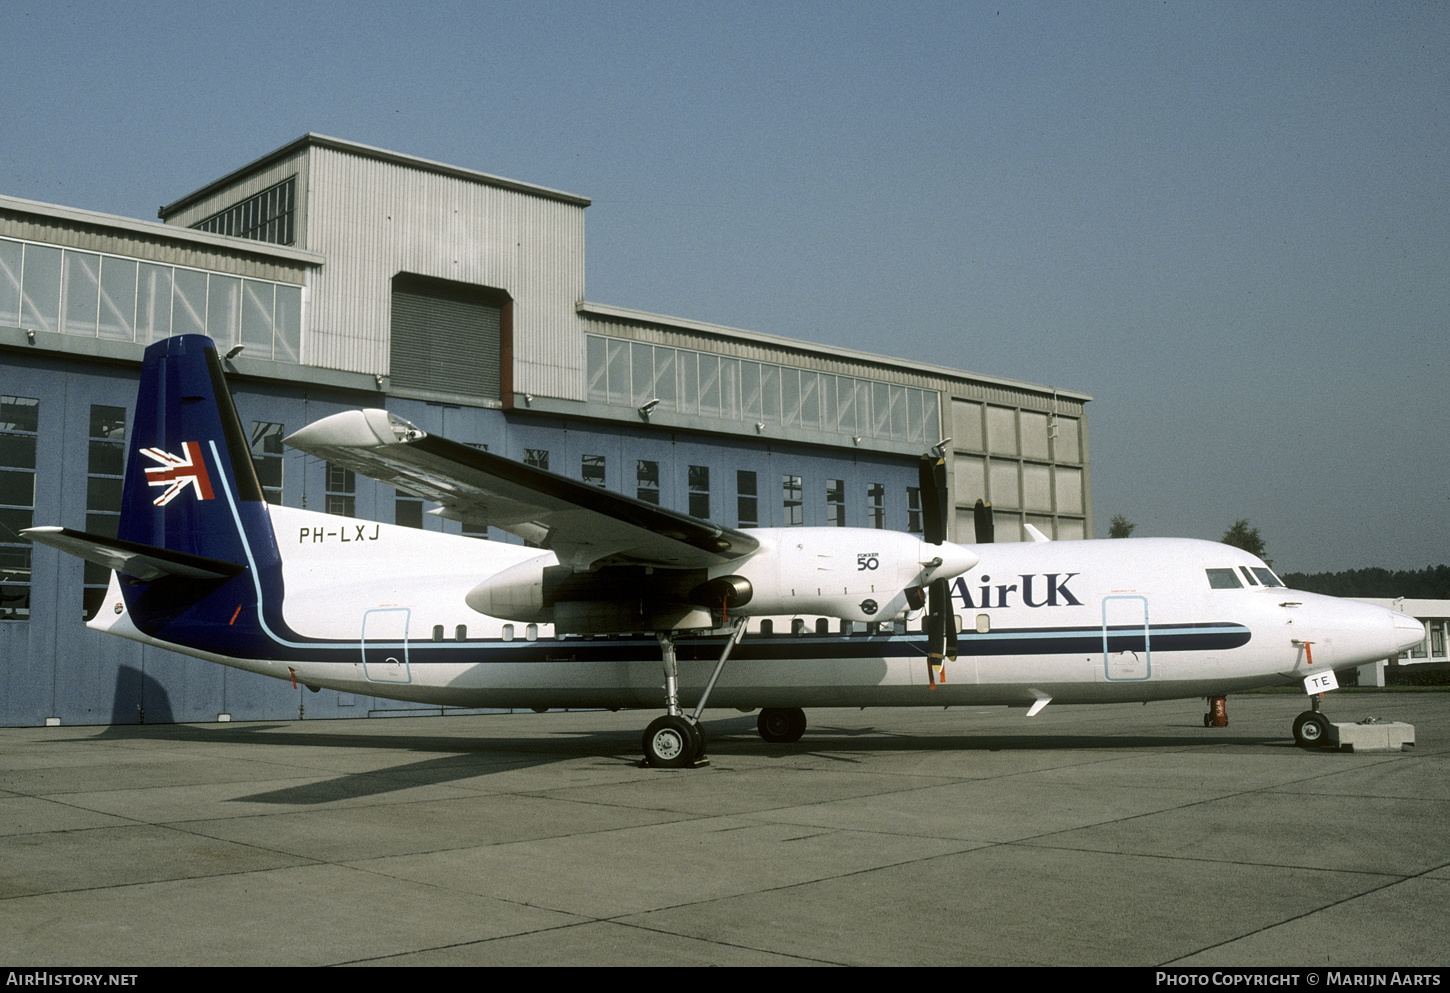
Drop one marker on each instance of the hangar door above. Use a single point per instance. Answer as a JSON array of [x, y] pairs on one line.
[[449, 337]]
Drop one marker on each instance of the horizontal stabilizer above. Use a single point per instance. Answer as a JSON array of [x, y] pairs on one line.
[[143, 562]]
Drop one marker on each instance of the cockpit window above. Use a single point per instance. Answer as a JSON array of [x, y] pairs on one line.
[[1248, 575], [1224, 579], [1267, 577]]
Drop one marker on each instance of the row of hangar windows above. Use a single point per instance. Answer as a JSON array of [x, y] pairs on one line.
[[749, 496], [105, 461], [685, 381], [92, 295]]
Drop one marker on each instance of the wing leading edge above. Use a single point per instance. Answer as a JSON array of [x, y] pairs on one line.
[[583, 525]]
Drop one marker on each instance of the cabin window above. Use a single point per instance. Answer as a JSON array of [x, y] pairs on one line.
[[531, 633], [460, 633], [798, 626], [823, 626], [984, 624], [767, 626], [508, 632], [1223, 579], [438, 632]]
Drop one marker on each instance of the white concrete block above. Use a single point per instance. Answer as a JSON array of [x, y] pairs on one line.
[[1373, 736]]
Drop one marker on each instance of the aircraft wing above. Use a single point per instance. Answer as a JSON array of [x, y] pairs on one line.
[[584, 525]]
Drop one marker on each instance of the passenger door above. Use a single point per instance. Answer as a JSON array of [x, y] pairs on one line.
[[1126, 650], [385, 645]]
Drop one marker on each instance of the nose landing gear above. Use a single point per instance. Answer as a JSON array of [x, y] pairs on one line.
[[1311, 729]]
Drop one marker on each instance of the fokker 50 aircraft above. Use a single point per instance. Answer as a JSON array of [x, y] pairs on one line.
[[611, 591]]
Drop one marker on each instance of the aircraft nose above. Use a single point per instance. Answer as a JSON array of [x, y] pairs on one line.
[[1409, 632]]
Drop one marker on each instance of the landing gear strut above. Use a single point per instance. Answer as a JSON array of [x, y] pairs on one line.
[[675, 741]]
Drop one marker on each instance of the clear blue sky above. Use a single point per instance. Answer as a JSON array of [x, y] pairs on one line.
[[1228, 222]]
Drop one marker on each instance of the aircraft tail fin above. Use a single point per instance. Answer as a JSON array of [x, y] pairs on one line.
[[191, 498], [190, 469]]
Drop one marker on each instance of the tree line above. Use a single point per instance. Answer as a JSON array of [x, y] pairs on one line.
[[1432, 583]]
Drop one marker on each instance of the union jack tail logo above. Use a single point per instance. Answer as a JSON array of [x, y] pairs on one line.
[[177, 472]]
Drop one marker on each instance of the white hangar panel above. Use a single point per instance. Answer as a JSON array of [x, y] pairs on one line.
[[374, 214], [376, 218]]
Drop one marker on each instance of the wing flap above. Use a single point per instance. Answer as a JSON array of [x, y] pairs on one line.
[[584, 525]]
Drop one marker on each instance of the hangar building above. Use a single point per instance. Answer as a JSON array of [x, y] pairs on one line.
[[350, 276]]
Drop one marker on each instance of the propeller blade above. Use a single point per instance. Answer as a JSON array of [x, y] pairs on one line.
[[986, 527], [950, 626], [941, 605], [941, 635], [932, 476]]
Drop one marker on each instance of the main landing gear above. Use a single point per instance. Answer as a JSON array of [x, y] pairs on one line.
[[675, 741], [1217, 716], [781, 725]]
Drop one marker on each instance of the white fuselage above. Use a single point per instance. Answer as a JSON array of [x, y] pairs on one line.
[[379, 609]]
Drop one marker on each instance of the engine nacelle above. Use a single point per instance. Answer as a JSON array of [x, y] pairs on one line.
[[856, 574], [516, 593], [607, 600]]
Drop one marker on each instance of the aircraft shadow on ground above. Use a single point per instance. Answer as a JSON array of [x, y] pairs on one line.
[[466, 757]]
